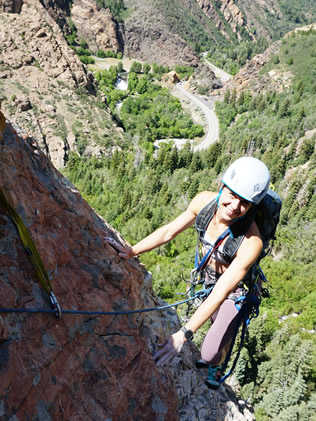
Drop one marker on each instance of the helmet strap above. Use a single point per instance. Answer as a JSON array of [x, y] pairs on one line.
[[219, 195]]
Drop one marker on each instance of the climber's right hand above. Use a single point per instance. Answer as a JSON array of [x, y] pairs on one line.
[[124, 252], [170, 349]]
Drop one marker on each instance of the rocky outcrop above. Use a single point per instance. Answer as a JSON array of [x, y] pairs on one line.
[[157, 43], [11, 6], [249, 77], [95, 26], [44, 87], [230, 12], [170, 79], [83, 367], [205, 78], [232, 15], [77, 367], [261, 16], [208, 8], [59, 11]]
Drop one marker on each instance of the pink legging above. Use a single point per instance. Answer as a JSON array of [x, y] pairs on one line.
[[220, 334]]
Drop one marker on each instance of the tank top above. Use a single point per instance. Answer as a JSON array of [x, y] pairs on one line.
[[217, 254]]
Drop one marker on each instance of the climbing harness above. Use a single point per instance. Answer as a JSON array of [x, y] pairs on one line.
[[33, 253], [248, 308]]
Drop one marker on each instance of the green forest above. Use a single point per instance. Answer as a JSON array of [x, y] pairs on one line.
[[139, 188]]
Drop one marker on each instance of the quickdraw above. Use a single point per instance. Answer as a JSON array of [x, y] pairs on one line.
[[32, 252]]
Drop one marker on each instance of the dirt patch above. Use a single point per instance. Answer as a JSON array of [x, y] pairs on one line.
[[283, 79]]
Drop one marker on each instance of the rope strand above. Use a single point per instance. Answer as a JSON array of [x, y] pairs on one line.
[[95, 313]]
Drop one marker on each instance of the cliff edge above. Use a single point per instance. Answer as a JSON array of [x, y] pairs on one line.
[[76, 367], [83, 367]]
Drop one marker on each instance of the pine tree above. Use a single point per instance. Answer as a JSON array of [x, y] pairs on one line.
[[227, 96], [307, 410], [295, 394], [241, 99], [233, 97], [164, 194], [193, 188], [126, 200], [167, 162], [284, 108], [186, 155], [174, 158], [289, 414], [241, 367], [196, 163]]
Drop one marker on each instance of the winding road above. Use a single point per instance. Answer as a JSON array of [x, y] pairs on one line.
[[212, 132], [219, 73], [207, 107]]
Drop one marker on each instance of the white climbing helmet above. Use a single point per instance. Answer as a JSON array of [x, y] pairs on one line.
[[249, 178]]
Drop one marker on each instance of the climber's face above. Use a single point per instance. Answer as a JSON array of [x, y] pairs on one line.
[[231, 205]]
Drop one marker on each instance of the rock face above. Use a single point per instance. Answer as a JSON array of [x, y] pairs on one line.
[[154, 43], [44, 87], [77, 367], [82, 367], [250, 78], [11, 6], [59, 11], [95, 25], [230, 12], [232, 15], [252, 16]]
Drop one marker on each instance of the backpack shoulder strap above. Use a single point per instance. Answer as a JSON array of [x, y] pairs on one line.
[[238, 231], [204, 217]]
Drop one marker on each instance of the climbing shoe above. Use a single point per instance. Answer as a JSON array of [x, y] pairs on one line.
[[201, 364], [213, 377]]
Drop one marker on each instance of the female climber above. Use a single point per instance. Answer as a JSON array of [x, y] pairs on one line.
[[244, 185]]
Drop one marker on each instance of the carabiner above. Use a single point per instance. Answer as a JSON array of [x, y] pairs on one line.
[[55, 304], [192, 275]]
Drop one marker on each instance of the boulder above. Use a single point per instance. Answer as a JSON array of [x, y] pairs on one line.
[[11, 6]]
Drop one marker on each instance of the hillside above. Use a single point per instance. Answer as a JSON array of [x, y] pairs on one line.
[[183, 28]]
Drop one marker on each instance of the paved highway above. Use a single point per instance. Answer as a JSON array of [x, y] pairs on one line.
[[212, 133], [207, 108]]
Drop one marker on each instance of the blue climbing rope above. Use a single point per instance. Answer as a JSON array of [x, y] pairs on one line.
[[95, 313]]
